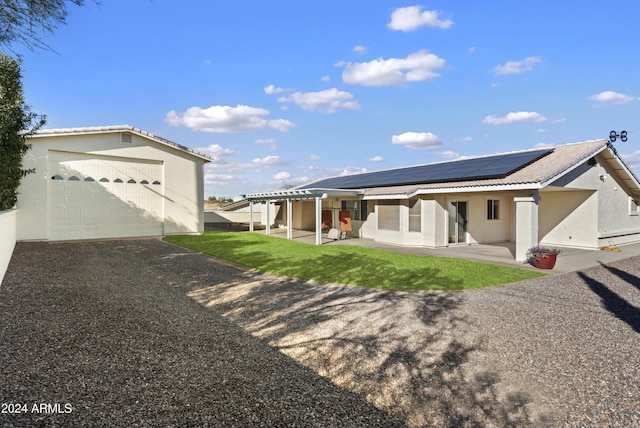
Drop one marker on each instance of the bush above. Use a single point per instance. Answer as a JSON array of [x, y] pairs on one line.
[[533, 251], [17, 123]]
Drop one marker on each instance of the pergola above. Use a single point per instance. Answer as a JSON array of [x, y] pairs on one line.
[[296, 195]]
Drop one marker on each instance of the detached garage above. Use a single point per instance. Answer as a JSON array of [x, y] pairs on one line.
[[109, 182]]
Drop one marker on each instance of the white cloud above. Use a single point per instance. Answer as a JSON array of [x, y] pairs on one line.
[[449, 154], [417, 140], [214, 150], [393, 71], [560, 120], [270, 141], [267, 162], [513, 117], [282, 175], [351, 170], [359, 49], [211, 178], [271, 89], [543, 146], [375, 159], [517, 67], [326, 78], [412, 17], [225, 119], [614, 97], [313, 158], [327, 101], [632, 159], [472, 49]]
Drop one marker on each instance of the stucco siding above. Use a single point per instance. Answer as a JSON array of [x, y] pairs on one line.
[[569, 218], [614, 203], [183, 181]]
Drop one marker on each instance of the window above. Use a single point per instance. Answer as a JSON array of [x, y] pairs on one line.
[[131, 181], [104, 180], [57, 177], [415, 215], [634, 206], [156, 182], [493, 209], [358, 209], [74, 178], [89, 179], [117, 180], [144, 182], [389, 215]]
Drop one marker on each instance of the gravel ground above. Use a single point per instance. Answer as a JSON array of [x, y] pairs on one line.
[[143, 333], [104, 331]]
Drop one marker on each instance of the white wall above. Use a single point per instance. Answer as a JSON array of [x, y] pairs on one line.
[[183, 180], [7, 239], [615, 218], [568, 218], [610, 220], [480, 230], [230, 216]]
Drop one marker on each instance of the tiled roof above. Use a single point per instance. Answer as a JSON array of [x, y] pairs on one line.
[[118, 128]]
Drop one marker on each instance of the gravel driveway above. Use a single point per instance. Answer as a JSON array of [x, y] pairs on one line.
[[142, 333]]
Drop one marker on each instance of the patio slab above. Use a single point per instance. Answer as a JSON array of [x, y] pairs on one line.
[[569, 259]]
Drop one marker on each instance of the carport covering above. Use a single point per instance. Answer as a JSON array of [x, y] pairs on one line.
[[296, 195]]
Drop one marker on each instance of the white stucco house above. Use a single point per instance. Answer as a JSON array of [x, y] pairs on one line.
[[576, 195], [109, 182]]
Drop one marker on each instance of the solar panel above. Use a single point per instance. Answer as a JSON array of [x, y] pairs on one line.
[[486, 167]]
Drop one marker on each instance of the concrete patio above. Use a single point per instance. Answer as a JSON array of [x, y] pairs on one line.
[[569, 259]]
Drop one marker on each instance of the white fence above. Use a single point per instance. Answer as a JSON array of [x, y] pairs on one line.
[[7, 239]]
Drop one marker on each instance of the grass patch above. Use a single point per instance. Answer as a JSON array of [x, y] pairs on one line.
[[353, 265]]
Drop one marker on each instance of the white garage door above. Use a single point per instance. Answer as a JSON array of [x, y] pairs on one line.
[[104, 197]]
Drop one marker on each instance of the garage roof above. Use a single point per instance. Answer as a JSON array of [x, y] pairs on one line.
[[120, 129]]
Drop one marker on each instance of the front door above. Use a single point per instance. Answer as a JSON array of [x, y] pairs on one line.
[[457, 222]]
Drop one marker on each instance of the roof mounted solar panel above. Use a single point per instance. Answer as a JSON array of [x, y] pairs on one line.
[[485, 167]]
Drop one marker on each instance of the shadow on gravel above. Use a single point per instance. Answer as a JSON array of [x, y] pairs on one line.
[[406, 352], [625, 276], [615, 304]]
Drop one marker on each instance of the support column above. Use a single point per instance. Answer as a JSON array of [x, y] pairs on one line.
[[526, 224], [250, 216], [318, 220], [289, 219], [268, 213]]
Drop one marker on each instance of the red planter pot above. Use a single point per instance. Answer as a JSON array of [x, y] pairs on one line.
[[544, 260]]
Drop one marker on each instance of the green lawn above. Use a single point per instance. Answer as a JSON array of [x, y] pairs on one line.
[[350, 264]]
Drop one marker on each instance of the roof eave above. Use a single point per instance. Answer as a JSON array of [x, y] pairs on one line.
[[574, 166], [295, 194], [462, 189], [62, 132]]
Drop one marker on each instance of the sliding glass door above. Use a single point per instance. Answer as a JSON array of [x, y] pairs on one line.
[[457, 222]]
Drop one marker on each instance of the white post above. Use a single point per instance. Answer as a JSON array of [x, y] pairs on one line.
[[318, 220], [250, 216], [268, 208], [526, 224], [289, 220]]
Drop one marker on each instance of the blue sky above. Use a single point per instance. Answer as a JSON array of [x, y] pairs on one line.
[[281, 92]]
